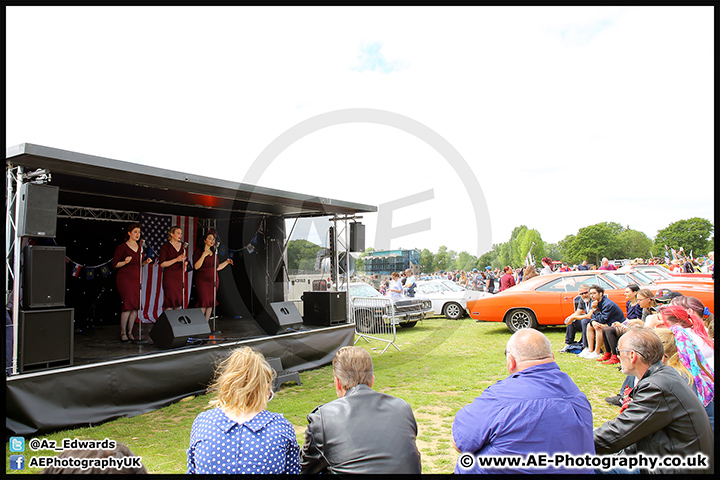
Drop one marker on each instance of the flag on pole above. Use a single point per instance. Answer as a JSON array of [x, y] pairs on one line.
[[529, 260], [155, 230]]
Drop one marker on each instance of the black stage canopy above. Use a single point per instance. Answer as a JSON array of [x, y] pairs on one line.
[[87, 180]]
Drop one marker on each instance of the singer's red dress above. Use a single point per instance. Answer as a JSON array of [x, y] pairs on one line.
[[172, 277], [203, 279], [128, 277]]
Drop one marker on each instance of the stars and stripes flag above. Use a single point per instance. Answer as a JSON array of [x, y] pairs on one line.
[[155, 228]]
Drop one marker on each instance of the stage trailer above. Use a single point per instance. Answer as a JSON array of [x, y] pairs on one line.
[[95, 199]]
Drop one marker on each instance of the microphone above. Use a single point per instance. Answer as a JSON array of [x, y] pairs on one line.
[[217, 243], [185, 245]]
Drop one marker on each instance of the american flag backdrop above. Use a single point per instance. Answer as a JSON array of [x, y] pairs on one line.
[[155, 229]]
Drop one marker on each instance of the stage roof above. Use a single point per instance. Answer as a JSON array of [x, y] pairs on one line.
[[97, 182]]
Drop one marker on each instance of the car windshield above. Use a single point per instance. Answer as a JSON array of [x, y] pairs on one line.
[[362, 290], [428, 288], [656, 272], [619, 281], [452, 286], [641, 278]]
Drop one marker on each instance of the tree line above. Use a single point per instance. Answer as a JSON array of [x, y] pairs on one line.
[[591, 243]]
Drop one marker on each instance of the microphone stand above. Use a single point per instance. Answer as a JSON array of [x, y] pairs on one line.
[[139, 340], [215, 285], [182, 302]]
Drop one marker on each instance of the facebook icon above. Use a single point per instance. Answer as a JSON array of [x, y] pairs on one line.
[[17, 462]]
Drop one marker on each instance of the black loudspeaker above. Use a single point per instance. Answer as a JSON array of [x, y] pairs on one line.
[[43, 277], [174, 327], [357, 237], [324, 308], [45, 339], [286, 316], [38, 210]]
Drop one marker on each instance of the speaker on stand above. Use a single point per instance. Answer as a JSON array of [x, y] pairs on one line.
[[43, 277]]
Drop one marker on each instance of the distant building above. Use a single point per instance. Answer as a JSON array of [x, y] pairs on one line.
[[388, 261]]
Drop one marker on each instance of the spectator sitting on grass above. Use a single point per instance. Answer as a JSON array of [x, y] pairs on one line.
[[240, 435], [578, 320], [538, 408], [604, 312], [664, 417], [363, 431]]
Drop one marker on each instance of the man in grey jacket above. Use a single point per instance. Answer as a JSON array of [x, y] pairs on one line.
[[363, 431], [664, 418]]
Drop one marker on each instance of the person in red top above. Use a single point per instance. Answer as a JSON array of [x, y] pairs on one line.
[[127, 263], [507, 280], [173, 260]]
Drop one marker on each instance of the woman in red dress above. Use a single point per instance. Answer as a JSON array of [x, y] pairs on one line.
[[127, 263], [205, 275], [173, 261]]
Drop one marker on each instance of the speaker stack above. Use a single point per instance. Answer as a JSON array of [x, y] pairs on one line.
[[45, 336]]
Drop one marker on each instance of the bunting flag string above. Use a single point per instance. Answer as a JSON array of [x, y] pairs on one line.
[[103, 268]]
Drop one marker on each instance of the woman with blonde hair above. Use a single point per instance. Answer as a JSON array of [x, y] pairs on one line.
[[240, 435]]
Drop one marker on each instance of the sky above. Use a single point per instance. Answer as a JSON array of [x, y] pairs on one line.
[[470, 120]]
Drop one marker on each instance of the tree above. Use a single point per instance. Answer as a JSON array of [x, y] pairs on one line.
[[593, 242], [634, 244], [442, 260], [301, 255], [427, 261], [466, 261], [487, 259], [691, 234]]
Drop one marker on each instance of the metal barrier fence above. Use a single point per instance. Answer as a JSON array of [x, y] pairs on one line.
[[374, 320]]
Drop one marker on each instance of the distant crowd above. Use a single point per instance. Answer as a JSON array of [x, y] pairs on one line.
[[496, 280]]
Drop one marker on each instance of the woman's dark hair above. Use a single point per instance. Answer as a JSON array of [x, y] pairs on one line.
[[634, 287], [129, 229]]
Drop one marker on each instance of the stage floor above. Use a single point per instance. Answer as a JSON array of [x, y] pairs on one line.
[[110, 379], [102, 343]]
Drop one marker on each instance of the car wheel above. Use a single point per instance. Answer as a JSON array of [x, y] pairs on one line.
[[408, 324], [520, 318], [365, 321], [453, 311]]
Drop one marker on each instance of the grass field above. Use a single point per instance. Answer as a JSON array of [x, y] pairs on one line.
[[442, 366]]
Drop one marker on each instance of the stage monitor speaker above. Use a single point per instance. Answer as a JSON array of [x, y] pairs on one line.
[[324, 308], [175, 327], [44, 277], [357, 237], [45, 339], [286, 316], [38, 210]]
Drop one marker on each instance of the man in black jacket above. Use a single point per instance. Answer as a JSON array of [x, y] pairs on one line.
[[363, 431], [664, 418]]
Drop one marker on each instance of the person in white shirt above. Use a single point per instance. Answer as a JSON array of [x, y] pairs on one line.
[[396, 287]]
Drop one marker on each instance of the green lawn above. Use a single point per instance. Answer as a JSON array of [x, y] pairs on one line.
[[442, 365]]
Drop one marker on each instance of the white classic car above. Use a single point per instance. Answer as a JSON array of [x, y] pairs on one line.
[[447, 297]]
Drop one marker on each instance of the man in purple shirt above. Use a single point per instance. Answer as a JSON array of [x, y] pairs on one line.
[[536, 410]]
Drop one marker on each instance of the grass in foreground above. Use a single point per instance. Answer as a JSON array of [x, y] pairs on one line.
[[442, 366]]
